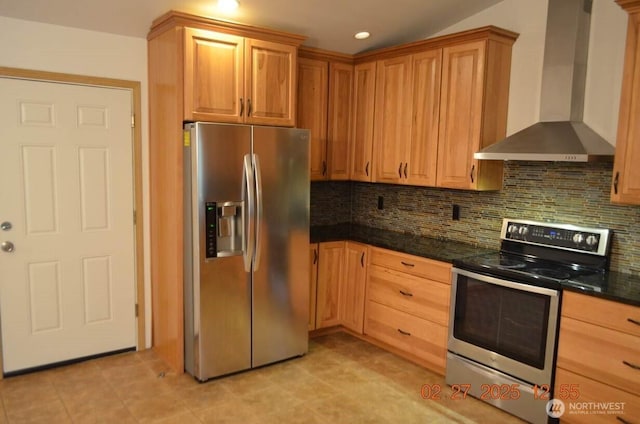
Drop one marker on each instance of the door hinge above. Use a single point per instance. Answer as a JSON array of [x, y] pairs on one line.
[[136, 310], [135, 220], [133, 121]]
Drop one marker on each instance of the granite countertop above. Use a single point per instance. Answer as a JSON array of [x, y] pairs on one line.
[[616, 286], [426, 247]]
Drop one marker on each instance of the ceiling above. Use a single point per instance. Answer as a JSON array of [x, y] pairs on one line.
[[327, 24]]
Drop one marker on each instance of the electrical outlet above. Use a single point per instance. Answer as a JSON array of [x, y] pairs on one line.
[[455, 214], [380, 202]]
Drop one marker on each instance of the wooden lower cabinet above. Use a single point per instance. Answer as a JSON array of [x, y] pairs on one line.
[[341, 274], [409, 309], [599, 357], [625, 404], [416, 336], [352, 290], [331, 274]]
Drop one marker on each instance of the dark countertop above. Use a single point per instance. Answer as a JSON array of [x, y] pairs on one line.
[[426, 247], [616, 286]]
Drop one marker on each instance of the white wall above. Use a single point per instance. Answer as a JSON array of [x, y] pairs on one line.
[[604, 68], [44, 47]]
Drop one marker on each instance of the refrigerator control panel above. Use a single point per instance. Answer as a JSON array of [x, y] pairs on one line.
[[211, 218]]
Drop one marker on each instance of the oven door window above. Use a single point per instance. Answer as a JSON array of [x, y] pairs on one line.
[[510, 322]]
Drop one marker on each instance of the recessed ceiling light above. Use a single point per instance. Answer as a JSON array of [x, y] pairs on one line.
[[227, 5], [362, 35]]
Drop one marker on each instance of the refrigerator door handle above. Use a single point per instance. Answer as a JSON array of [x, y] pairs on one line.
[[248, 244], [258, 180]]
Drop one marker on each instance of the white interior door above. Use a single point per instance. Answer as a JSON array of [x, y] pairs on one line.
[[67, 290]]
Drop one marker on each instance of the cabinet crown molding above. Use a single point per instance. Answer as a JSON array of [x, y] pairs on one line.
[[174, 18]]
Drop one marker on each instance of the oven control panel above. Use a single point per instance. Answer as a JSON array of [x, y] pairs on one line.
[[563, 236]]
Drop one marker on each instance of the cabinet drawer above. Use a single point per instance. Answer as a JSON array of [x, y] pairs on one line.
[[417, 296], [587, 390], [606, 313], [414, 335], [600, 353], [422, 267]]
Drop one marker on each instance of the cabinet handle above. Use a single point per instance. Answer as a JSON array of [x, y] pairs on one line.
[[405, 169], [407, 264], [400, 170], [362, 260], [241, 106], [248, 107], [615, 182], [366, 169], [404, 333], [633, 321], [324, 167], [315, 256], [473, 168], [404, 293], [623, 421], [629, 364]]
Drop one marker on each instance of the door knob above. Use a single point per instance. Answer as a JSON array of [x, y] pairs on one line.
[[7, 246], [5, 226]]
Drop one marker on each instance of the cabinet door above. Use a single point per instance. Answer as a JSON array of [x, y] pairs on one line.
[[312, 111], [352, 288], [460, 115], [330, 276], [392, 119], [270, 83], [313, 284], [340, 104], [626, 172], [364, 88], [423, 150], [213, 76]]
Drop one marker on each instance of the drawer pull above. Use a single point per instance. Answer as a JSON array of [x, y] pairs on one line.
[[633, 321], [629, 364], [404, 333], [407, 264], [623, 421], [404, 293]]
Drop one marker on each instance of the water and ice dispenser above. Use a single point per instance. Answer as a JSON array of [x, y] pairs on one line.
[[224, 223]]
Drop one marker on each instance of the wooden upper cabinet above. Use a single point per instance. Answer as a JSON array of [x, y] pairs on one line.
[[234, 79], [473, 112], [407, 117], [213, 70], [339, 125], [391, 130], [270, 84], [423, 150], [364, 89], [625, 187], [312, 111]]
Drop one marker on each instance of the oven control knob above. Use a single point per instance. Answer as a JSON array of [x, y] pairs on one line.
[[592, 240], [523, 231], [513, 229], [578, 238]]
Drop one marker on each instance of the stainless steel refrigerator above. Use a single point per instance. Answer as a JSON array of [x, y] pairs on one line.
[[246, 243]]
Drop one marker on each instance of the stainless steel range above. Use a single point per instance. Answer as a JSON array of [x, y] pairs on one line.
[[505, 312]]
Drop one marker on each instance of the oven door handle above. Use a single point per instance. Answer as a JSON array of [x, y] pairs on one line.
[[505, 283]]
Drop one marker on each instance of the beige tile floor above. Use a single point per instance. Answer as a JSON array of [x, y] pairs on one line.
[[341, 380]]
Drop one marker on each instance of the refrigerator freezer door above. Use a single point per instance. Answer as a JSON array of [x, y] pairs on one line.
[[219, 341], [281, 276]]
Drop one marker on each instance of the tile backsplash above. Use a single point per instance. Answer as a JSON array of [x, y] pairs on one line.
[[571, 193]]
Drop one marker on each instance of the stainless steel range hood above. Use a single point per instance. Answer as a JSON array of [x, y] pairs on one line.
[[561, 135]]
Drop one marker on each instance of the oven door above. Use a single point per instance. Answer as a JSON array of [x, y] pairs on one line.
[[508, 326]]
